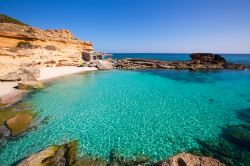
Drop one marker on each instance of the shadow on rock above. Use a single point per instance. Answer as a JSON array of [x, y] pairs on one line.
[[118, 160]]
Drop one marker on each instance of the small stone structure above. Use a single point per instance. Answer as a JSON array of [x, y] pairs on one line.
[[94, 56]]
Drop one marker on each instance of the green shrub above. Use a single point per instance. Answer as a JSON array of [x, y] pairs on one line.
[[50, 47], [82, 64], [25, 45], [7, 19]]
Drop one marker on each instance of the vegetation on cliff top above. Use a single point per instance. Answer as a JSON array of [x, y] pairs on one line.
[[7, 19]]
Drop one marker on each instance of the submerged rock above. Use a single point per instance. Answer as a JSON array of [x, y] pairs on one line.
[[4, 133], [19, 123], [118, 160], [56, 155], [15, 120], [238, 134], [187, 159], [29, 85], [231, 147], [91, 162]]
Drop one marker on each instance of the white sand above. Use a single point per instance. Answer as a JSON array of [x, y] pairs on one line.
[[54, 72], [7, 88], [8, 92]]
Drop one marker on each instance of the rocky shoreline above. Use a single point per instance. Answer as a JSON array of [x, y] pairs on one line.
[[198, 61], [18, 119], [66, 155], [25, 50]]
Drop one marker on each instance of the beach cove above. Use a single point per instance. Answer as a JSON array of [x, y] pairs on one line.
[[62, 103], [99, 105]]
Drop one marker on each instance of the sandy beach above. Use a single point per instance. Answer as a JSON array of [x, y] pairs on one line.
[[51, 73], [9, 94]]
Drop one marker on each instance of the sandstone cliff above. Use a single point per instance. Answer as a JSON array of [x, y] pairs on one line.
[[24, 46]]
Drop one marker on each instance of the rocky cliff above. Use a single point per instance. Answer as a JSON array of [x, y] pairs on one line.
[[24, 46]]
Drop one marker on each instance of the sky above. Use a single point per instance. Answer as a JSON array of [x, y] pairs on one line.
[[162, 26]]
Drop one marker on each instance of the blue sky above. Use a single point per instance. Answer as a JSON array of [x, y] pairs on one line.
[[219, 26]]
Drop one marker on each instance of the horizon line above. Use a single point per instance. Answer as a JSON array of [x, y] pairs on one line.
[[172, 53]]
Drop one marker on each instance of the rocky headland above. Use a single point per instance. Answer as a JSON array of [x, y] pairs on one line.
[[23, 46], [198, 61], [26, 53]]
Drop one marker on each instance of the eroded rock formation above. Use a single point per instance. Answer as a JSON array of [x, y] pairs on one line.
[[104, 65], [15, 120], [30, 85], [26, 74], [65, 154], [56, 155], [199, 61], [24, 46], [187, 159]]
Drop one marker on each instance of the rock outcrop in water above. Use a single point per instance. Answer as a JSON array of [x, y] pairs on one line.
[[22, 46], [30, 85], [104, 65], [56, 155], [199, 61], [187, 159], [15, 120]]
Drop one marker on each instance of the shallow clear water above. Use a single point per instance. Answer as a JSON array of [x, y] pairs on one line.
[[153, 112]]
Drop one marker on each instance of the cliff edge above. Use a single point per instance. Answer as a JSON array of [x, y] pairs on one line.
[[25, 46]]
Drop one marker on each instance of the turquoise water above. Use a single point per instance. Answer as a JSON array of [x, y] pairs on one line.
[[152, 112]]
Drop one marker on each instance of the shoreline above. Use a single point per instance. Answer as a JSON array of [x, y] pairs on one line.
[[53, 74], [10, 95], [50, 73]]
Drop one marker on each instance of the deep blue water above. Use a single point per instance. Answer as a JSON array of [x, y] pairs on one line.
[[234, 58]]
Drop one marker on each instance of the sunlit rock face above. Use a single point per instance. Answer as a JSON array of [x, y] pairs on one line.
[[24, 46]]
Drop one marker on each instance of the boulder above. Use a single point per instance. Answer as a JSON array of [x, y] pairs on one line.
[[92, 65], [28, 74], [218, 59], [66, 63], [4, 133], [207, 58], [202, 57], [234, 66], [10, 77], [19, 123], [56, 155], [29, 85], [186, 159], [24, 74], [104, 65]]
